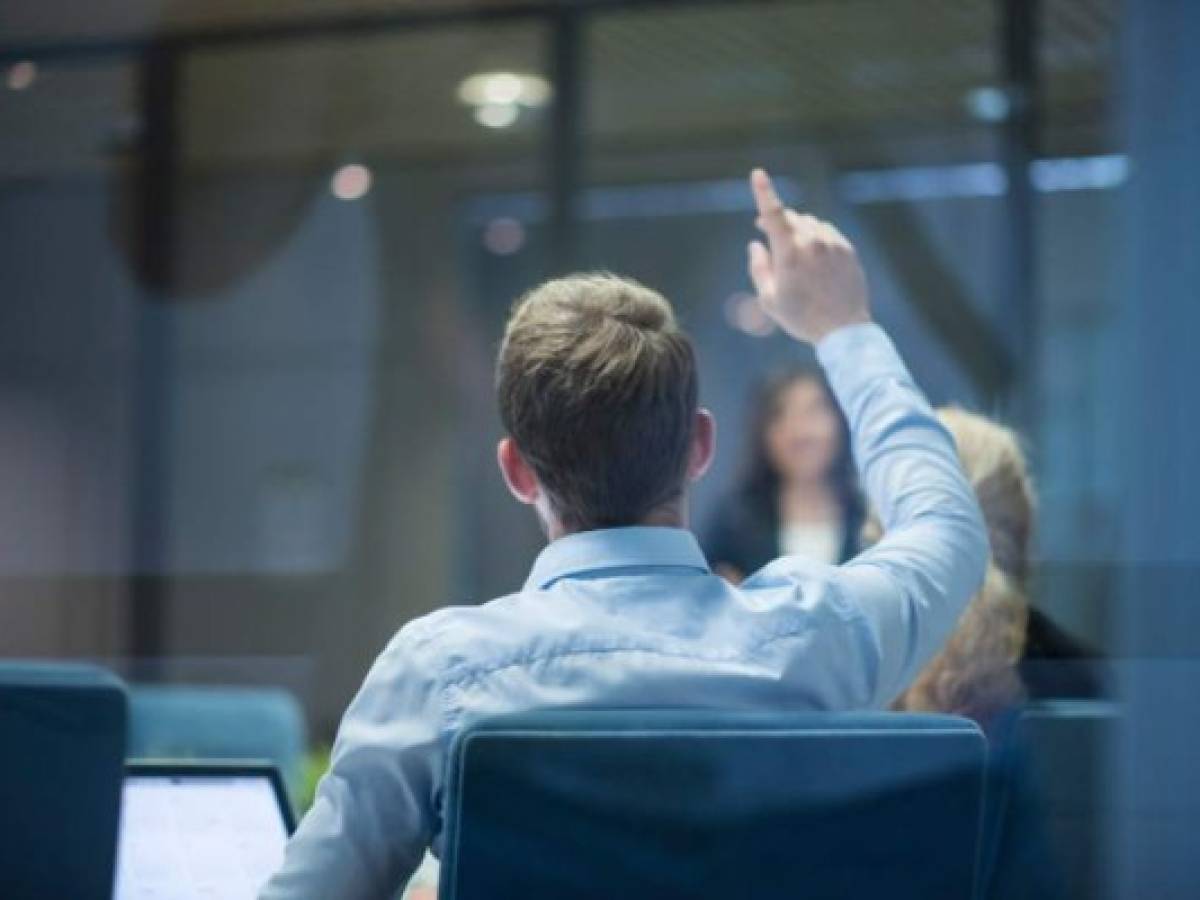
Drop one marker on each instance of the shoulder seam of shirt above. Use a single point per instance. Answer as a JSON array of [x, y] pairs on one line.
[[476, 673], [414, 639]]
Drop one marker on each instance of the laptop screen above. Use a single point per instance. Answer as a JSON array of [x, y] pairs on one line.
[[186, 836]]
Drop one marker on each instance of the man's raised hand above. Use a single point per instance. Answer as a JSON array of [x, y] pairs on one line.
[[809, 281]]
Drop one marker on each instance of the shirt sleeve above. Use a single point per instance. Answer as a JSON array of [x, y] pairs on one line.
[[373, 815], [907, 591]]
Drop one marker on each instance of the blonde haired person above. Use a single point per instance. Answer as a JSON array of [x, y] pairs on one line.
[[1002, 651]]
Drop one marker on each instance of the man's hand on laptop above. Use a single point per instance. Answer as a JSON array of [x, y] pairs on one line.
[[808, 277]]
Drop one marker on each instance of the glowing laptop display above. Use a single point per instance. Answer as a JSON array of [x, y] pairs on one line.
[[200, 831]]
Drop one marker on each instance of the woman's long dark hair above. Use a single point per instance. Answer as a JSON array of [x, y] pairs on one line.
[[759, 484]]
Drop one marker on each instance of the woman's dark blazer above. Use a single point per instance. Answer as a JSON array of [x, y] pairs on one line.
[[744, 532], [1056, 664]]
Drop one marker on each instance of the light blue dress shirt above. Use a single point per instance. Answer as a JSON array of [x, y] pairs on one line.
[[633, 617]]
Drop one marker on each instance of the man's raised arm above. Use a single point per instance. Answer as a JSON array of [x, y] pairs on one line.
[[911, 587]]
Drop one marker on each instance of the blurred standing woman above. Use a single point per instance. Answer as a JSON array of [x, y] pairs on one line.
[[798, 494]]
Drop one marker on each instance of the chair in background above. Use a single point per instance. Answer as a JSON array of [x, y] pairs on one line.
[[1063, 756], [62, 758], [1049, 807], [215, 723], [675, 804]]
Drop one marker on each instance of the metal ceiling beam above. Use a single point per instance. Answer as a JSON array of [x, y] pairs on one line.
[[347, 25], [565, 138], [1019, 132], [156, 186]]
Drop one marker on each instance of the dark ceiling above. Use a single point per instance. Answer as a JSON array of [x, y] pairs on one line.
[[858, 74]]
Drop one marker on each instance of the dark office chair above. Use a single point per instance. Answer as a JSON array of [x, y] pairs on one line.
[[682, 804], [62, 756], [1052, 802]]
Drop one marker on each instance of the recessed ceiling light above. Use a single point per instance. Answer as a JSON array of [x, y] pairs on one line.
[[504, 89], [350, 182], [497, 115], [21, 75]]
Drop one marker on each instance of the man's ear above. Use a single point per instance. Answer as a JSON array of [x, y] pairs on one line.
[[518, 475], [704, 444]]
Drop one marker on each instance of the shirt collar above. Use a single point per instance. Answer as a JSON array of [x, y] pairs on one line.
[[589, 552]]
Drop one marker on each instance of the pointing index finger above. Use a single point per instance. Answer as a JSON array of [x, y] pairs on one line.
[[765, 198], [771, 211]]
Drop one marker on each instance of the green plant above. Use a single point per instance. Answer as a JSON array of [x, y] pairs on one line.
[[316, 764]]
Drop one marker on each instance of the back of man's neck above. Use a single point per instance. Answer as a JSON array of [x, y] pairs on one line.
[[674, 515]]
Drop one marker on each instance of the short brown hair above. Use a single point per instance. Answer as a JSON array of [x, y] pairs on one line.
[[597, 386]]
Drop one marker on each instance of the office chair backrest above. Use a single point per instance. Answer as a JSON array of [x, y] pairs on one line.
[[218, 723], [1066, 748], [62, 758], [675, 804]]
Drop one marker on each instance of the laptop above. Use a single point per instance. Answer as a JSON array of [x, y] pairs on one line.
[[200, 830]]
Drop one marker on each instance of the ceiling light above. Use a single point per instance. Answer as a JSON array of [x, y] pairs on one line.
[[989, 104], [504, 89], [350, 182], [497, 115], [21, 75]]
